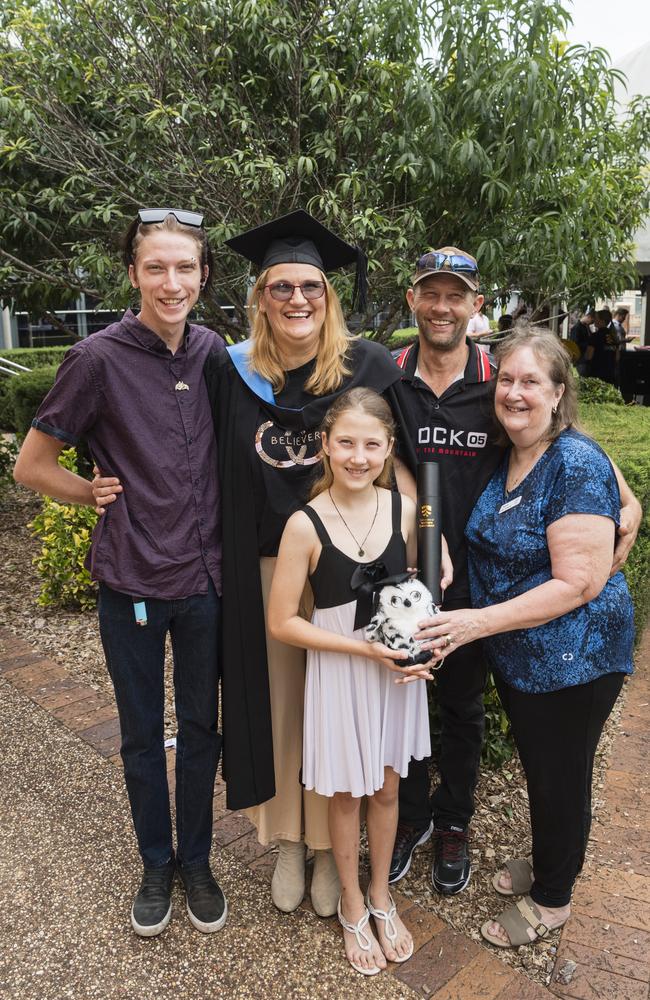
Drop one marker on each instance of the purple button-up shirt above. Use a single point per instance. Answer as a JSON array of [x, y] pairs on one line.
[[146, 416]]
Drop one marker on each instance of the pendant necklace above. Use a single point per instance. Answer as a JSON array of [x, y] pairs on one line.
[[528, 467], [372, 523]]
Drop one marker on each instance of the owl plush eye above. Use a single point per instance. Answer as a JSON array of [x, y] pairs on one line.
[[416, 595], [396, 601]]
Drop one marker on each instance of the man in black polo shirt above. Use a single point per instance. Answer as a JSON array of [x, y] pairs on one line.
[[446, 417], [445, 413]]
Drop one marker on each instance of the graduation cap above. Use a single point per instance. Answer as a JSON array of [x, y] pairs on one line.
[[299, 238]]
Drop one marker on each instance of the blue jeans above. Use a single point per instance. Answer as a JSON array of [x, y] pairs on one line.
[[135, 657]]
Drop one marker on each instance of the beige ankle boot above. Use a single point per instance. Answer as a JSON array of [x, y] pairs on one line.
[[288, 882], [325, 884]]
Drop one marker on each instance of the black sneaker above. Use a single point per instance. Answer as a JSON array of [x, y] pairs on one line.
[[152, 907], [451, 866], [206, 903], [406, 840]]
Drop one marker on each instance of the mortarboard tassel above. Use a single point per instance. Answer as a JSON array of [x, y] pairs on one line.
[[360, 298]]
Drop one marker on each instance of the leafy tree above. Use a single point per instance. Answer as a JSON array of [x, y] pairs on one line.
[[405, 124]]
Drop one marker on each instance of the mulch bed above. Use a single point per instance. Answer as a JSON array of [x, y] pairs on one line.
[[500, 829]]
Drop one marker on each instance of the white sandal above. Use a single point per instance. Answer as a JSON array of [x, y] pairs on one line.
[[391, 929], [363, 939]]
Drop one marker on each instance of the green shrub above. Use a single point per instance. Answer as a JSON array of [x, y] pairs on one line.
[[65, 532], [31, 357], [498, 746], [594, 390], [35, 357], [8, 456], [402, 338], [624, 433], [6, 409], [27, 392]]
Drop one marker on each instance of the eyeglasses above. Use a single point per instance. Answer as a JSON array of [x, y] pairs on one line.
[[282, 291], [436, 261], [148, 215]]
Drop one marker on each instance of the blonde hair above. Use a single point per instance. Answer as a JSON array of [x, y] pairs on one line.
[[331, 361], [373, 405], [548, 349]]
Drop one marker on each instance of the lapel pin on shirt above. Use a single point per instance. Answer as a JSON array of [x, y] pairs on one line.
[[180, 386]]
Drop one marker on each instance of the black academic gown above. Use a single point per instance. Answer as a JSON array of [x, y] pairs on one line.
[[268, 457]]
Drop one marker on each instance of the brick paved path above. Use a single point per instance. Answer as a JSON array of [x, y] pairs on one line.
[[608, 935], [605, 947]]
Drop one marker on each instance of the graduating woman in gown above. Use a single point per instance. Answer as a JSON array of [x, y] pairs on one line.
[[269, 395]]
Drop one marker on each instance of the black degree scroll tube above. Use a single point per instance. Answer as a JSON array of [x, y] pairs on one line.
[[429, 527]]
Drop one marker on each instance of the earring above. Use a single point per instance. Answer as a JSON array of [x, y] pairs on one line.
[[555, 409]]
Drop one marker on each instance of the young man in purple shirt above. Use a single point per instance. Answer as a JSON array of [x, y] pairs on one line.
[[136, 394]]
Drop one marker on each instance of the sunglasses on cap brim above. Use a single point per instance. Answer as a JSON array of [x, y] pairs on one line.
[[454, 262], [149, 215]]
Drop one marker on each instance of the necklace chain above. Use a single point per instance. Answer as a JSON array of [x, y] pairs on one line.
[[359, 544], [527, 467]]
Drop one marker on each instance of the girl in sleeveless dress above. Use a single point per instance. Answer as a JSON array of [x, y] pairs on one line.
[[365, 715]]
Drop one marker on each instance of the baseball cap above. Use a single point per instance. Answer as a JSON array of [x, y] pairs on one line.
[[448, 260]]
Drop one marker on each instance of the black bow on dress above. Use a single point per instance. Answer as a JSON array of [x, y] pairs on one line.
[[367, 580]]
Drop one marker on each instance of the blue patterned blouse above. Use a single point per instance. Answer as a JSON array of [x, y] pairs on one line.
[[508, 555]]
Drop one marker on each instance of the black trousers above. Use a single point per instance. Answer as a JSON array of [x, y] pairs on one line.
[[556, 735], [459, 688]]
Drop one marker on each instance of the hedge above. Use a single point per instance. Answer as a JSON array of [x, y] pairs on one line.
[[26, 392], [594, 390], [31, 357], [402, 338], [624, 433]]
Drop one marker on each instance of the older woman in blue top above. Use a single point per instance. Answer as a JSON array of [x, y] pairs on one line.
[[558, 630]]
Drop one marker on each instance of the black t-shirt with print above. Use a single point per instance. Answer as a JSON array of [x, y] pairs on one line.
[[458, 430]]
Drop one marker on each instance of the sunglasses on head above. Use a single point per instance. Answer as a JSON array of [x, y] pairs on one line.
[[148, 215], [436, 261]]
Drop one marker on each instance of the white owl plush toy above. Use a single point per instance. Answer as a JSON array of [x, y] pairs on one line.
[[398, 609]]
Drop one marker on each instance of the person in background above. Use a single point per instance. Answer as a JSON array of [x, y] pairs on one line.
[[135, 393], [557, 626], [504, 324], [602, 351], [620, 324], [478, 324], [580, 333]]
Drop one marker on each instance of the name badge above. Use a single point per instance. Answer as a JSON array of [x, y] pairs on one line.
[[510, 504]]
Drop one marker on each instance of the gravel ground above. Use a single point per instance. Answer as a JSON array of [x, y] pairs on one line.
[[500, 829], [68, 872]]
